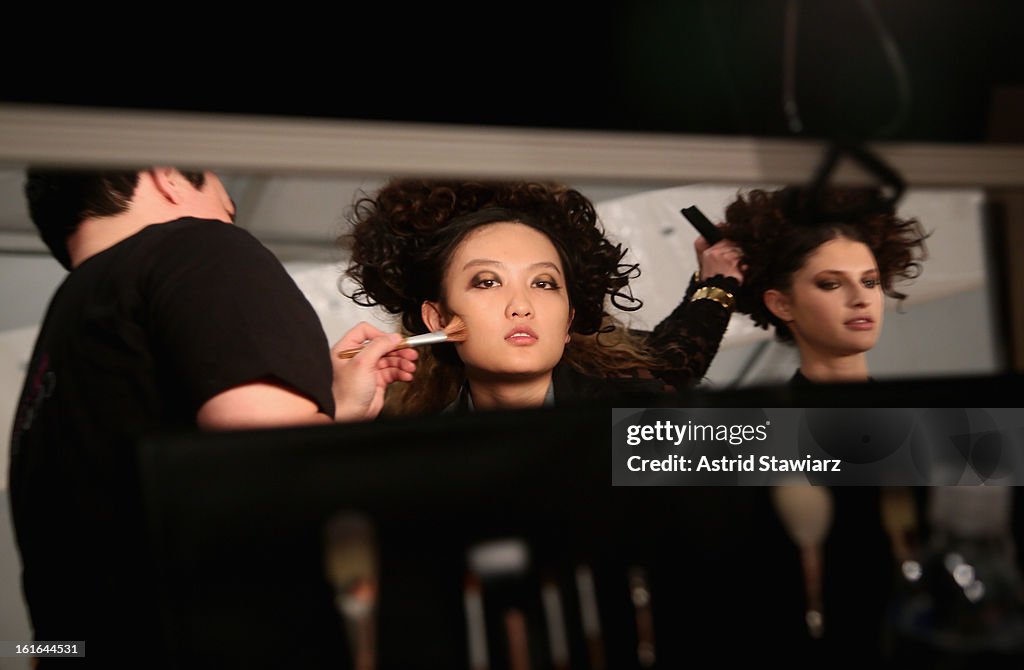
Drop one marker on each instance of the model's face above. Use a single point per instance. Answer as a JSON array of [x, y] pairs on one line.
[[507, 283], [835, 302]]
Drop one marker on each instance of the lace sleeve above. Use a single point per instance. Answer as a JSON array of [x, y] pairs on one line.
[[689, 337]]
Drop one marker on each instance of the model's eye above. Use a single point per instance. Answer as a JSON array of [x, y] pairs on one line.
[[485, 281], [547, 283], [872, 283], [828, 284]]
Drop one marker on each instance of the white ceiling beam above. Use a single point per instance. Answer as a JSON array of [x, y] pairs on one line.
[[39, 134]]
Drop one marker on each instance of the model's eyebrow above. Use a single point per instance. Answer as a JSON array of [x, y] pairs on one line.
[[843, 273], [482, 261], [547, 265], [476, 262]]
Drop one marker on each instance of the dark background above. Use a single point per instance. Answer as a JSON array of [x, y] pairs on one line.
[[698, 66]]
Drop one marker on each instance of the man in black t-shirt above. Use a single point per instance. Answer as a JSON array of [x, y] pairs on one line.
[[170, 320]]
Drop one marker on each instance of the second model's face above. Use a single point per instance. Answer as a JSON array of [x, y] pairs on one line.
[[836, 299], [507, 283]]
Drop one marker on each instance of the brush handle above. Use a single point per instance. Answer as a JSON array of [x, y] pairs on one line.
[[436, 337], [899, 518], [811, 558], [703, 225]]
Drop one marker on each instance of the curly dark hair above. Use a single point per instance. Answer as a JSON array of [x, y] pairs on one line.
[[778, 230], [403, 237]]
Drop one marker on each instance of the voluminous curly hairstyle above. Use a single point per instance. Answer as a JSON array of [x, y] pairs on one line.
[[404, 235], [778, 230]]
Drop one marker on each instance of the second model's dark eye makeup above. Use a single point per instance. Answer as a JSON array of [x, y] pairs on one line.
[[832, 280]]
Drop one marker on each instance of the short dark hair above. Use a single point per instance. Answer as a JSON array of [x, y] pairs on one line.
[[60, 199]]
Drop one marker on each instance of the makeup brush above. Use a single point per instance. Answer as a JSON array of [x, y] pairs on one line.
[[476, 627], [351, 568], [554, 616], [806, 513], [899, 518], [501, 560], [455, 331], [590, 616], [640, 594]]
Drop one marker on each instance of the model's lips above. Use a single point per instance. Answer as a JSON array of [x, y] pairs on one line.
[[521, 335], [860, 323]]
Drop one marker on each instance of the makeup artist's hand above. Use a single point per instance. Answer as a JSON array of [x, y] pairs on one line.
[[721, 258], [360, 382]]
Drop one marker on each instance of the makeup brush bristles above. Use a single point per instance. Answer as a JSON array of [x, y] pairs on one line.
[[455, 331]]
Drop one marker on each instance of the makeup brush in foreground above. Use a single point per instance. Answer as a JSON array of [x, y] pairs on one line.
[[455, 331], [806, 513]]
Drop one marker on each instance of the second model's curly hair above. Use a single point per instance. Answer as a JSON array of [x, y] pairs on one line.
[[403, 236], [778, 230]]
